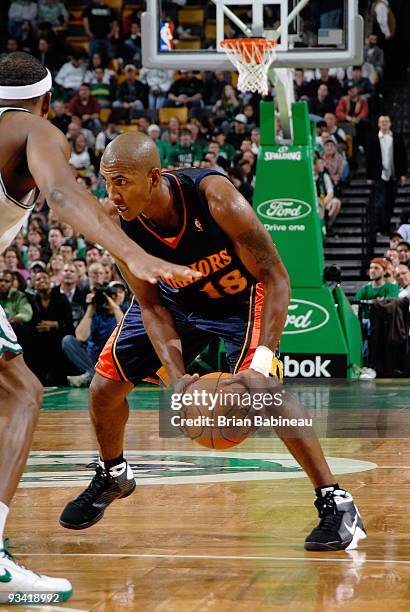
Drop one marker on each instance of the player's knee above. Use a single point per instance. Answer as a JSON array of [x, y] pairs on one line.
[[103, 393]]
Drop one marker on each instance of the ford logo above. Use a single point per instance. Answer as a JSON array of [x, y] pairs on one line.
[[284, 209], [304, 316]]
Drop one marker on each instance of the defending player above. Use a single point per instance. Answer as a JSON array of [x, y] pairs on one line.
[[195, 217], [33, 156]]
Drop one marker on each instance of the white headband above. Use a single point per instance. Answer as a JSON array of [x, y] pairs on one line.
[[25, 92]]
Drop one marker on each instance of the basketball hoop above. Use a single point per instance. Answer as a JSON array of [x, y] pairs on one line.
[[252, 58]]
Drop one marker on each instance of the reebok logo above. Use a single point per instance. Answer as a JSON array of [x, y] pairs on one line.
[[6, 577], [308, 368]]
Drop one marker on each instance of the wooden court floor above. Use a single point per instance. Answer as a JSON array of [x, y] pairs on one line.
[[223, 531]]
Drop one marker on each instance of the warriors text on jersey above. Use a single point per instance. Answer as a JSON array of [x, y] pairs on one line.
[[199, 243]]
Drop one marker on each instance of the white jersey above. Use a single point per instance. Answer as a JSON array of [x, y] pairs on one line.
[[12, 212]]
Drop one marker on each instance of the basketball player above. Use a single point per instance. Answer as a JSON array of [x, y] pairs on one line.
[[33, 155], [195, 217]]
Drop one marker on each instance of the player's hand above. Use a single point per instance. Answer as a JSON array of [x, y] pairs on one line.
[[150, 268], [182, 384], [249, 378]]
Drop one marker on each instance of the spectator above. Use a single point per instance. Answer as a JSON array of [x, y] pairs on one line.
[[55, 240], [14, 302], [334, 163], [228, 106], [81, 267], [377, 287], [34, 254], [131, 93], [86, 107], [321, 103], [243, 187], [331, 82], [238, 132], [47, 55], [226, 149], [96, 275], [214, 84], [76, 128], [82, 157], [61, 119], [186, 91], [71, 74], [143, 124], [185, 154], [394, 239], [21, 10], [53, 12], [329, 206], [27, 39], [403, 279], [93, 255], [100, 319], [392, 256], [74, 294], [336, 132], [67, 250], [374, 55], [354, 109], [132, 45], [210, 161], [154, 131], [12, 45], [302, 88], [256, 141], [56, 266], [403, 250], [172, 133], [214, 148], [105, 137], [99, 21], [51, 321], [13, 262], [159, 83], [386, 164], [366, 89], [100, 89], [384, 20]]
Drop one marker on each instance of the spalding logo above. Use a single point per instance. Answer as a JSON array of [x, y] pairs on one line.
[[304, 316], [284, 209]]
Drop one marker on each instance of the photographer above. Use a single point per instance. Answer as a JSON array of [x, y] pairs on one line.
[[102, 315]]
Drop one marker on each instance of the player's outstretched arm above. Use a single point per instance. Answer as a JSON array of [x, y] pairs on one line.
[[47, 154], [256, 250]]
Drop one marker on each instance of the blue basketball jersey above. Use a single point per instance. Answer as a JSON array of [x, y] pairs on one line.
[[199, 243]]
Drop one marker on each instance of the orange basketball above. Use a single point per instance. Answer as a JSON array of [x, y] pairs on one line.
[[216, 420]]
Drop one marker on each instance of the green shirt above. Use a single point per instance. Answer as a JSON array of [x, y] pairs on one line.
[[185, 156], [16, 303], [164, 150], [227, 151], [368, 292], [101, 91]]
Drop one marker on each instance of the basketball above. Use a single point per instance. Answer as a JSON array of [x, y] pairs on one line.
[[221, 404]]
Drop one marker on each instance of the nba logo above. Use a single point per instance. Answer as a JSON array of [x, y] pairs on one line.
[[166, 36]]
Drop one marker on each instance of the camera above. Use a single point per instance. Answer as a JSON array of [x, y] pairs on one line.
[[100, 297]]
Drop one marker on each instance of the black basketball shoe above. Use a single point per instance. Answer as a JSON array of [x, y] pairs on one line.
[[106, 486], [340, 526]]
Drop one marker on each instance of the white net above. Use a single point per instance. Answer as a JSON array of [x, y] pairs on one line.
[[252, 58]]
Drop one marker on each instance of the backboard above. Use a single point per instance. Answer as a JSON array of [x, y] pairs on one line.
[[309, 33]]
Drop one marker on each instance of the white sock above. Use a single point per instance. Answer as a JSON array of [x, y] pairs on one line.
[[116, 470], [4, 510]]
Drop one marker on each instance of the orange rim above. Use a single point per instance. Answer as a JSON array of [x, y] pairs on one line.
[[245, 46]]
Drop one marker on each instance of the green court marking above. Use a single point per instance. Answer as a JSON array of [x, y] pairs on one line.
[[380, 394]]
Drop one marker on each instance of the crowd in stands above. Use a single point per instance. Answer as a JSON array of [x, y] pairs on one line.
[[64, 296]]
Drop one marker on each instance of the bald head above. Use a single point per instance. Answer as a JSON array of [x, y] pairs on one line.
[[132, 149]]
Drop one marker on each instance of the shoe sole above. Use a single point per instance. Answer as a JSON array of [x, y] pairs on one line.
[[358, 535], [98, 517]]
